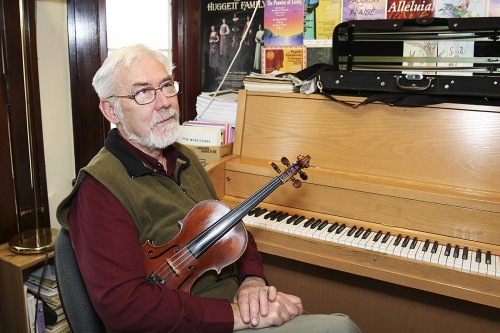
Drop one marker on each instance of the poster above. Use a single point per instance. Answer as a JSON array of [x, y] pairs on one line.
[[461, 8], [363, 10], [286, 59], [409, 9], [284, 22], [223, 24]]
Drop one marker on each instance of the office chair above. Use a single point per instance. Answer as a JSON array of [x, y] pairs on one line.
[[76, 303]]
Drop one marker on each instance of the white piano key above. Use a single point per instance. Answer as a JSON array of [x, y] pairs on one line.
[[383, 247], [366, 243], [491, 267], [497, 265], [474, 266], [335, 237], [419, 255], [466, 263], [482, 265], [428, 254], [390, 245], [412, 253], [459, 261], [435, 257], [347, 237], [376, 244]]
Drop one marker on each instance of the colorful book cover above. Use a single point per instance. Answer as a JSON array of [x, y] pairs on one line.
[[461, 8], [363, 10], [284, 59], [223, 25], [284, 22], [328, 15], [410, 9], [494, 8]]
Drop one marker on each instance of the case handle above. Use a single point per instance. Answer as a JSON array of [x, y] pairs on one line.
[[413, 86]]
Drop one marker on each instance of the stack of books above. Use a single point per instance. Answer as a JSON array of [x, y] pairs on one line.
[[49, 314], [220, 107], [269, 83], [203, 133], [209, 141]]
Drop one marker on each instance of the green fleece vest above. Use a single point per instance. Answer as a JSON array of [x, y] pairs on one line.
[[156, 204]]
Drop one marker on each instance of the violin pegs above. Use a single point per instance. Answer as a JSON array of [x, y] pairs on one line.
[[275, 167], [303, 175], [285, 161], [297, 183]]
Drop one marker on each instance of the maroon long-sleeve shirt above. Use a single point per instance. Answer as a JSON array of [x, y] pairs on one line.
[[105, 239]]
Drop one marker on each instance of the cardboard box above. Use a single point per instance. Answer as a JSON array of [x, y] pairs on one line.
[[210, 154]]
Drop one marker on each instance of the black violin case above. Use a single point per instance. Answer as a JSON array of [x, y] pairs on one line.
[[414, 62]]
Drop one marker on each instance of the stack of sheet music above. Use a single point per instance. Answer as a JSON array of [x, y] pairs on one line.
[[269, 82], [217, 108]]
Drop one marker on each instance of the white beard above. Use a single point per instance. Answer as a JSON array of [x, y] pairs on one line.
[[169, 132]]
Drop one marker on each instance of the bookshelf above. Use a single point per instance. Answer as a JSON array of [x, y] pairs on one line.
[[14, 270]]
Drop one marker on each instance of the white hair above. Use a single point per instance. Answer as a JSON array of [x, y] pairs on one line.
[[106, 78]]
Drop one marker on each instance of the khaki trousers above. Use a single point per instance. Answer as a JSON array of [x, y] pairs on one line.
[[314, 323]]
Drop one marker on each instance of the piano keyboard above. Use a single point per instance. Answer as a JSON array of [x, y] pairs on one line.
[[448, 255]]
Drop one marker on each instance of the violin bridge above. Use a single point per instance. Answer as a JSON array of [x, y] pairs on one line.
[[171, 265]]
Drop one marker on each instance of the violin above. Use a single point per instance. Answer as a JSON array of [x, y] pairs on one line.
[[212, 236]]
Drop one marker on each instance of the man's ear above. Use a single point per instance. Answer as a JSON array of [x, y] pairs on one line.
[[108, 111]]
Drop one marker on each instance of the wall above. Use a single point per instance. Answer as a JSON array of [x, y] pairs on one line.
[[55, 97]]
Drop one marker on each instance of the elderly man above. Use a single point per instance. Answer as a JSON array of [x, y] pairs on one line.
[[137, 188]]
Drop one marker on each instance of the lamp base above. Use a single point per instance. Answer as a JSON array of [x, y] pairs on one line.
[[33, 241]]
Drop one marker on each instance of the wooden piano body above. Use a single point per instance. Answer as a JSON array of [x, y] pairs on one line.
[[429, 172]]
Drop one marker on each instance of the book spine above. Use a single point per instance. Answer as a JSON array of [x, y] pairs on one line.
[[40, 318]]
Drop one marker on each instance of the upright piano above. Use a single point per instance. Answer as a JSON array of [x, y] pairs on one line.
[[398, 222]]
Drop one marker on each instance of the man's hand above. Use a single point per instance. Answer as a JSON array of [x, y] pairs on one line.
[[260, 306]]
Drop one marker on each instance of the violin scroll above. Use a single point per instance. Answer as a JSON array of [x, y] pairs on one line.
[[301, 163]]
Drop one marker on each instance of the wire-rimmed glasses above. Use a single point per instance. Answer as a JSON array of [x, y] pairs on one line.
[[147, 95]]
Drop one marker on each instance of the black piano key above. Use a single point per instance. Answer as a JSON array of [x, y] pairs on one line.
[[386, 237], [323, 225], [406, 241], [456, 251], [292, 219], [488, 257], [309, 222], [367, 233], [478, 255], [413, 243], [316, 223], [351, 232], [465, 254], [260, 212], [426, 246], [300, 219], [333, 227], [434, 247], [359, 232], [253, 211], [447, 250], [398, 240], [275, 216], [270, 214], [377, 236], [341, 228], [282, 217]]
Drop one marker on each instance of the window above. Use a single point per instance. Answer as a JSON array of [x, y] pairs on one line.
[[146, 21]]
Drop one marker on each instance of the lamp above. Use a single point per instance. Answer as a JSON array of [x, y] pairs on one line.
[[37, 240]]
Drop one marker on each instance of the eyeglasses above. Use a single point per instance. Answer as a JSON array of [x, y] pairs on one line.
[[148, 95]]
